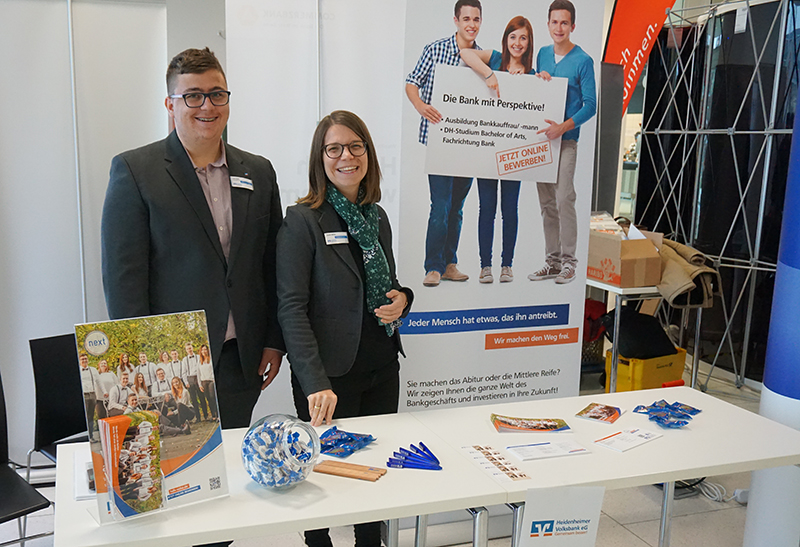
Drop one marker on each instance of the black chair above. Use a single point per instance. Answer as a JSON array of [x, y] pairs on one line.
[[60, 410], [18, 498]]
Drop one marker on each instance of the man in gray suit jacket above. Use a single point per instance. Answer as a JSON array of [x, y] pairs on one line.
[[190, 223]]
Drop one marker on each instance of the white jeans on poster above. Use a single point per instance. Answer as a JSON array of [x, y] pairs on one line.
[[557, 203]]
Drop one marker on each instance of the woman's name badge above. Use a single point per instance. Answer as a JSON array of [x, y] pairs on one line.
[[335, 238], [241, 182]]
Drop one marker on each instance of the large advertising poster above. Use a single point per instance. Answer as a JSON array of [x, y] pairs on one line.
[[495, 197]]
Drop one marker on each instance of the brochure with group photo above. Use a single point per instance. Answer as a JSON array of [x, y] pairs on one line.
[[530, 425], [131, 447], [600, 413], [152, 413]]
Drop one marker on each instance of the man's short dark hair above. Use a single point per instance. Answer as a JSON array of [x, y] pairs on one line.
[[562, 4], [472, 3], [191, 61]]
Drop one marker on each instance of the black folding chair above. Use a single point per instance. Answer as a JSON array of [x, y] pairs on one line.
[[19, 498], [60, 409]]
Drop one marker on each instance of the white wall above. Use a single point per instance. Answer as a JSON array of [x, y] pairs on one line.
[[196, 23], [120, 59], [40, 270]]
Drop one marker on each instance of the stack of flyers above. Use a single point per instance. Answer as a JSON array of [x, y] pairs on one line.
[[538, 451], [131, 446], [600, 413], [543, 425], [627, 439], [494, 462]]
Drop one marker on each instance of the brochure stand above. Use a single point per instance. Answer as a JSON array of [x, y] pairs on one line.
[[155, 436]]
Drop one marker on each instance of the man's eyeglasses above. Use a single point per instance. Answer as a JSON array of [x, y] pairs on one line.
[[197, 99], [335, 150]]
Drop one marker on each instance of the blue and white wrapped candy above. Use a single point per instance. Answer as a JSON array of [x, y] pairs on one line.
[[279, 451]]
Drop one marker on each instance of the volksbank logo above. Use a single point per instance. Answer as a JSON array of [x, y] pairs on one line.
[[560, 527], [542, 528]]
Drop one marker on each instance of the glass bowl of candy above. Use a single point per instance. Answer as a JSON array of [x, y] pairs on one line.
[[279, 451]]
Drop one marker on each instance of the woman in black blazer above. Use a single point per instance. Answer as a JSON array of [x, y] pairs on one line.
[[339, 301]]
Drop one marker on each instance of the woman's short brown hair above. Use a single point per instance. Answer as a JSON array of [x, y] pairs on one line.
[[318, 179]]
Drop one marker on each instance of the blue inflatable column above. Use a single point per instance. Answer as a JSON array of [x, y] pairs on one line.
[[773, 511]]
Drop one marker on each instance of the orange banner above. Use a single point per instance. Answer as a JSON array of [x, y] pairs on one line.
[[632, 36], [531, 338]]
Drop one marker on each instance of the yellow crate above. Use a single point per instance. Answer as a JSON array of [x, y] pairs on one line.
[[635, 374]]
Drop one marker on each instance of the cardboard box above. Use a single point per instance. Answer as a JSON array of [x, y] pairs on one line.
[[624, 263], [634, 374]]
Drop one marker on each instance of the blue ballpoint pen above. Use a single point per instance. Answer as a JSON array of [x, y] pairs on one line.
[[411, 465], [428, 451], [421, 453], [403, 457], [410, 454]]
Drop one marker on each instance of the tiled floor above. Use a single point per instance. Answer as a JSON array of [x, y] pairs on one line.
[[630, 516]]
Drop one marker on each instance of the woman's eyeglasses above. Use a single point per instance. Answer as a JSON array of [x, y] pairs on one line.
[[335, 150]]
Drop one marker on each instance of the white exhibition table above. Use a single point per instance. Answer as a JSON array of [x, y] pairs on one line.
[[319, 501], [722, 439]]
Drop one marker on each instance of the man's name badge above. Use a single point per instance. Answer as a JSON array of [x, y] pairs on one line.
[[335, 238], [241, 182]]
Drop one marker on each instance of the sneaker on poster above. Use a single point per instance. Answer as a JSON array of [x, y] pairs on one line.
[[452, 273], [546, 272], [432, 279], [486, 275], [567, 274], [506, 275]]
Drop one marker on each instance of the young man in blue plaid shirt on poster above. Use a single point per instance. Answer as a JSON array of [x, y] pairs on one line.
[[447, 192]]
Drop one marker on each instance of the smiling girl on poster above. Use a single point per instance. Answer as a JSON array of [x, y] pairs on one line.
[[516, 58]]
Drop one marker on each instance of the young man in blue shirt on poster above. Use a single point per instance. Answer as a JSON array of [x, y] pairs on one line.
[[448, 193], [557, 201]]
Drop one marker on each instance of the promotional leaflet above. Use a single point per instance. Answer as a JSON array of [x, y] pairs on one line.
[[539, 451], [131, 446], [600, 413], [84, 476], [152, 411], [494, 463], [627, 439], [529, 425]]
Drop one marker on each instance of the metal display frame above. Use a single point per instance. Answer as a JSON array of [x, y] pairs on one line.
[[690, 145]]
